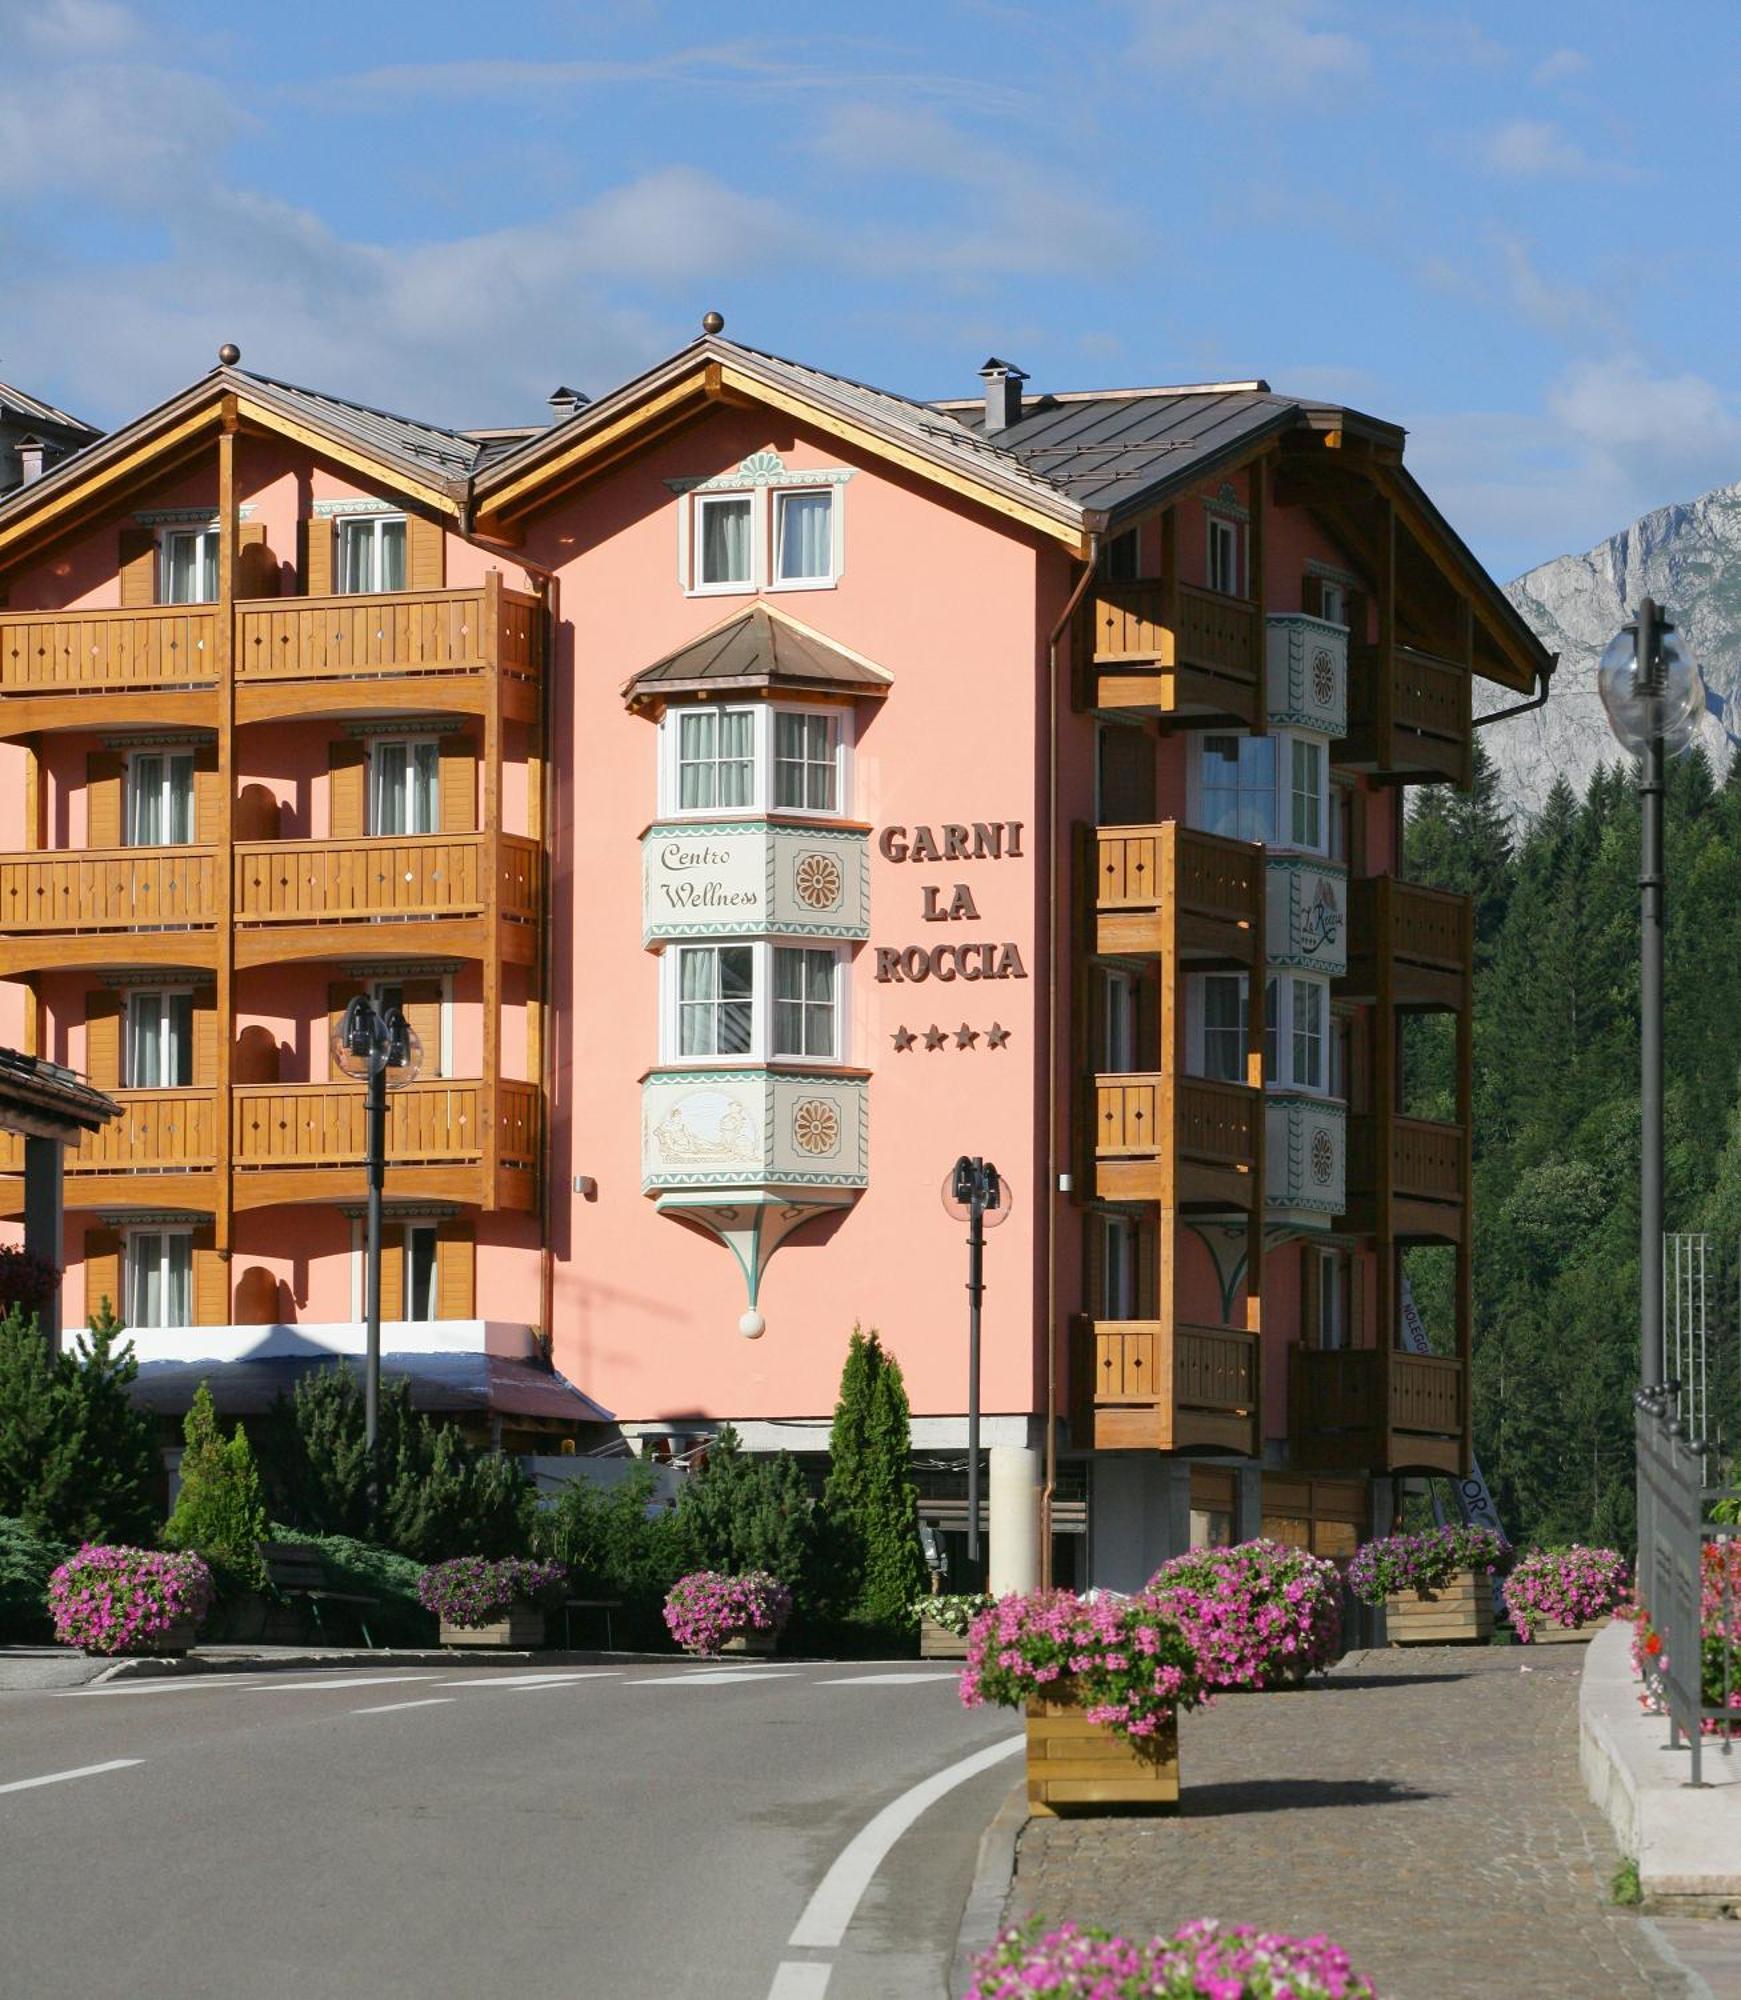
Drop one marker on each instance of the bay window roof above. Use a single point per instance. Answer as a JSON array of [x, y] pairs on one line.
[[756, 650]]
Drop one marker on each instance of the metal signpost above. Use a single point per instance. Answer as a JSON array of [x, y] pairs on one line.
[[976, 1187]]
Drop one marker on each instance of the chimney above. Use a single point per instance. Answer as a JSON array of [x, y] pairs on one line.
[[31, 453], [564, 401], [1003, 394]]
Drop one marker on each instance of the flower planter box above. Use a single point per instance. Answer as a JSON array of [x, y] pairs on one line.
[[760, 1643], [521, 1627], [1570, 1635], [173, 1639], [1459, 1614], [1075, 1765], [938, 1643]]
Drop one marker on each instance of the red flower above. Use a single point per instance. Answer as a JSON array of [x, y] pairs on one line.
[[1654, 1643]]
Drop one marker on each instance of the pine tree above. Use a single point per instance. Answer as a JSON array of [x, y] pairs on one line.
[[111, 1494], [745, 1511], [37, 1460], [220, 1512], [869, 1504]]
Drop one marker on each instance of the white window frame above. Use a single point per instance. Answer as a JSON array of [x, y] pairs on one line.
[[1282, 804], [1120, 993], [1317, 749], [411, 1230], [1279, 997], [1332, 1276], [777, 496], [163, 995], [206, 541], [169, 756], [1333, 602], [358, 525], [765, 504], [1222, 532], [761, 802], [698, 504], [411, 744], [760, 1053], [131, 1242]]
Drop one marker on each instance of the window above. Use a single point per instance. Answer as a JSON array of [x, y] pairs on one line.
[[715, 999], [1307, 818], [159, 1277], [1330, 1284], [804, 1003], [159, 1041], [1239, 787], [1118, 559], [405, 785], [190, 566], [803, 537], [1120, 1268], [420, 1271], [1296, 1030], [1309, 1010], [1118, 1023], [1333, 602], [160, 804], [806, 752], [1224, 1026], [372, 553], [716, 759], [724, 541], [1224, 555]]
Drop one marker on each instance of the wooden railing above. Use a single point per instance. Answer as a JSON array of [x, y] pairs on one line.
[[1215, 633], [432, 1122], [159, 1131], [350, 637], [1431, 696], [1426, 1394], [1413, 713], [1220, 634], [1336, 1389], [1144, 1385], [1127, 1119], [110, 888], [1218, 1121], [1345, 1418], [1213, 878], [1425, 1158], [1214, 1368], [1428, 927], [75, 652], [409, 876]]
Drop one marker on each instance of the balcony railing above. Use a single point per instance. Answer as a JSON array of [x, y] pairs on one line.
[[1180, 1140], [80, 652], [110, 889], [1410, 717], [1350, 1412], [1142, 1385], [1165, 886], [431, 1122], [408, 877], [1423, 939], [1179, 653], [1424, 1159], [417, 632]]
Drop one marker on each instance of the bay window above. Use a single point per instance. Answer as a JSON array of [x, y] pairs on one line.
[[160, 798], [761, 759], [372, 553], [763, 1001], [715, 999], [405, 785], [806, 756], [1272, 789], [716, 763], [159, 1040], [1306, 821], [1296, 1030], [159, 1277]]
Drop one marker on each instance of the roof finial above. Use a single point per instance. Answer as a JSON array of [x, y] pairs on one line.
[[713, 322], [229, 354]]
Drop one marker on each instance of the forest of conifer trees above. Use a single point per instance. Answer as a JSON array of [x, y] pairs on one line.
[[1557, 1121]]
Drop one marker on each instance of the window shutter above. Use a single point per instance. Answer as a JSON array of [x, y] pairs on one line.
[[347, 766], [256, 565], [459, 785], [103, 770], [339, 996], [455, 1271], [392, 1273], [103, 1272], [137, 562], [1311, 1319], [317, 537], [211, 1280], [425, 554], [205, 1037], [208, 796], [421, 1000], [103, 1037]]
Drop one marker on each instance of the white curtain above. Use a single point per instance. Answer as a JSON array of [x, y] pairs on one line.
[[407, 788], [803, 1002], [804, 762], [372, 554], [725, 541], [806, 538], [160, 801]]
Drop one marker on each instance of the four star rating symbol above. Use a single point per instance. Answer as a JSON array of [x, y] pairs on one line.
[[995, 1037]]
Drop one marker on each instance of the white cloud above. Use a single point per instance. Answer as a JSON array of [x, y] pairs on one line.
[[131, 133], [1250, 48], [1562, 66], [1536, 148], [82, 28], [1619, 409]]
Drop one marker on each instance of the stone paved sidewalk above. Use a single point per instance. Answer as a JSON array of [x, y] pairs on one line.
[[1423, 1808]]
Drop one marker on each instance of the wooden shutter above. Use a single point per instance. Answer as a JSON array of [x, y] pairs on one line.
[[425, 554], [392, 1272], [455, 1271], [256, 565], [347, 766], [459, 785], [103, 1037], [103, 1272], [208, 796], [137, 562], [339, 996], [317, 539], [421, 1001], [205, 1037], [103, 772], [211, 1280]]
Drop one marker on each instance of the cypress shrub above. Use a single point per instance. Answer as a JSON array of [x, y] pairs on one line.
[[27, 1561], [870, 1506], [219, 1512], [750, 1511]]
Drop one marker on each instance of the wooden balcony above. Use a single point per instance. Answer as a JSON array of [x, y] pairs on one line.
[[1181, 1141], [1425, 1161], [1367, 1410], [1186, 656], [1408, 718], [1166, 888], [428, 892], [100, 905], [1145, 1385], [1415, 944]]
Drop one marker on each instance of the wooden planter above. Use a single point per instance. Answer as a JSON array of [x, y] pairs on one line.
[[761, 1644], [521, 1627], [1571, 1635], [938, 1643], [1460, 1614], [175, 1639], [1075, 1765]]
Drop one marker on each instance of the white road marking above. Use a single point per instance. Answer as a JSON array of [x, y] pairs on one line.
[[533, 1680], [393, 1707], [884, 1680], [194, 1684], [701, 1677], [800, 1979], [61, 1777], [836, 1897], [362, 1681]]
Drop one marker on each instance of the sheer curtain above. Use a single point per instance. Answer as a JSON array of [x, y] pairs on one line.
[[725, 541], [806, 542], [803, 1002], [159, 801], [407, 787], [715, 988], [804, 762], [160, 1041], [716, 760]]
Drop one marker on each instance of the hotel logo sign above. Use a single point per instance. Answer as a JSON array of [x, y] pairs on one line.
[[952, 958], [747, 879]]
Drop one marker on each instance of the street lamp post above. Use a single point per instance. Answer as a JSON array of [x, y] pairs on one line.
[[1654, 698], [976, 1187], [381, 1049]]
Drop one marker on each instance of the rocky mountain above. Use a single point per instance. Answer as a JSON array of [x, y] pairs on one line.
[[1688, 558]]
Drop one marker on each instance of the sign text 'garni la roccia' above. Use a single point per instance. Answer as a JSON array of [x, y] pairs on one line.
[[982, 840]]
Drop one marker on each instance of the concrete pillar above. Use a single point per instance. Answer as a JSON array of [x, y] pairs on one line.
[[1385, 1503], [43, 1221], [1013, 1519], [1139, 1514], [1247, 1503]]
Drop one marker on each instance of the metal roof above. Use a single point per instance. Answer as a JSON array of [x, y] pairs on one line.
[[17, 403], [42, 1099], [448, 1382], [450, 453], [757, 648]]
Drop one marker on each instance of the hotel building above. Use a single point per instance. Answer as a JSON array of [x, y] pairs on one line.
[[758, 790]]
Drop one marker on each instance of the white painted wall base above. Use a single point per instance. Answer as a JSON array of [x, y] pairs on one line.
[[1013, 1504], [1139, 1514]]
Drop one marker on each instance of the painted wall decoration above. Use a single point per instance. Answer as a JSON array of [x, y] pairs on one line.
[[1308, 674], [1307, 913], [753, 1128], [1306, 1157], [734, 878]]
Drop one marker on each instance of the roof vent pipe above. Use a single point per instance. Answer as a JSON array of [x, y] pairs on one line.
[[31, 454], [564, 401], [1003, 394]]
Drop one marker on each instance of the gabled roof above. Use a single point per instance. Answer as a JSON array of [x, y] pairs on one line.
[[758, 648], [432, 447], [17, 403]]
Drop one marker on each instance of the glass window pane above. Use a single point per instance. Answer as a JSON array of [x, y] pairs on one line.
[[145, 802], [390, 561], [178, 1052], [420, 1273], [1224, 1027], [805, 536], [208, 567], [425, 810], [1271, 1038], [1308, 790], [178, 805], [725, 541], [696, 750], [144, 1041], [736, 787], [356, 555], [178, 1281], [390, 764], [736, 980]]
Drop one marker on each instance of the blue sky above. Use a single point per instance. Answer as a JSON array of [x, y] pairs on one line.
[[1508, 227]]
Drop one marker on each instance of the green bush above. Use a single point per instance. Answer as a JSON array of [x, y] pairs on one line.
[[371, 1571], [870, 1507], [219, 1512], [617, 1544], [27, 1560], [751, 1511]]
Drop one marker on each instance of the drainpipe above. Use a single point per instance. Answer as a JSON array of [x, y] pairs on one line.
[[1544, 681], [552, 595], [1049, 1489]]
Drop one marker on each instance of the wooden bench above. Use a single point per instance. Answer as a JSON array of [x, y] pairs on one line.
[[295, 1569], [605, 1604]]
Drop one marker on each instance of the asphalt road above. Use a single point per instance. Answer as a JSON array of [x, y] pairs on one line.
[[645, 1830]]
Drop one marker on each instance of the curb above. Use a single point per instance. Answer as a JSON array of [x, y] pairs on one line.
[[147, 1667], [982, 1917]]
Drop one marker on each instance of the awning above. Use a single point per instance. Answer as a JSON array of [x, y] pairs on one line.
[[759, 648], [443, 1384]]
